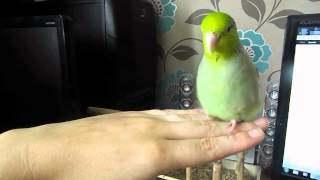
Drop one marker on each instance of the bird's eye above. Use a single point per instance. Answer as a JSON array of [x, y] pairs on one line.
[[229, 28]]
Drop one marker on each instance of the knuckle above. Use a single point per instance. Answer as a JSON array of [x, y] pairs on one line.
[[208, 126], [143, 124], [186, 117], [176, 117], [209, 146], [156, 112], [170, 112]]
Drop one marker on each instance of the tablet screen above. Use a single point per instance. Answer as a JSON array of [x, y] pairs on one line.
[[302, 144]]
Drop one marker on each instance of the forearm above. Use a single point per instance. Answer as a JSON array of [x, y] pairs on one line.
[[36, 153], [27, 154], [13, 157]]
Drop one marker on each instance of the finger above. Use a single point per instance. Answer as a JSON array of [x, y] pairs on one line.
[[186, 153], [166, 112], [199, 127], [186, 117], [185, 111], [192, 129], [263, 123], [246, 126], [179, 115]]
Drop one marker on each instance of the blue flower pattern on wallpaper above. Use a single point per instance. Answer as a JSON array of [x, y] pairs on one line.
[[165, 11], [259, 51]]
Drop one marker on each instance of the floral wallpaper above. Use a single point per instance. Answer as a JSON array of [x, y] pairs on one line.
[[257, 48], [260, 23], [165, 11]]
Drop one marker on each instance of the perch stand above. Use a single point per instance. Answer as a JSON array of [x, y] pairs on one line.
[[217, 170], [240, 166], [189, 173]]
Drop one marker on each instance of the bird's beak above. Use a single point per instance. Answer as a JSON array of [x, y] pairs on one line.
[[211, 41]]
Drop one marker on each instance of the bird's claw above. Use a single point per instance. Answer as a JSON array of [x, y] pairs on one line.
[[231, 126]]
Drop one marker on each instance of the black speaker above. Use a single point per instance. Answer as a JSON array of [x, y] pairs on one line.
[[187, 91], [265, 149]]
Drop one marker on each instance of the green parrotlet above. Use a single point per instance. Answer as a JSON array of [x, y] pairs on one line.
[[227, 80]]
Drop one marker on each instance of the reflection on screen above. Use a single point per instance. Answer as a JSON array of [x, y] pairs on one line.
[[302, 147]]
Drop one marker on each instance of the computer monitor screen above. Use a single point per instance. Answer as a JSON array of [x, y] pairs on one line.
[[32, 62], [34, 73], [300, 97], [301, 153]]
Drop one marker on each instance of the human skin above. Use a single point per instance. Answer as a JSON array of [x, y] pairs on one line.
[[127, 145]]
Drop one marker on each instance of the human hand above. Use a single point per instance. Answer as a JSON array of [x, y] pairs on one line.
[[126, 145]]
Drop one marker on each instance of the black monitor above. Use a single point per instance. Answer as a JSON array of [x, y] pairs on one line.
[[115, 47], [297, 147], [38, 79]]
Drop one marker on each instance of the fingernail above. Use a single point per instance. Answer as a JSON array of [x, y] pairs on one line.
[[254, 133], [260, 121]]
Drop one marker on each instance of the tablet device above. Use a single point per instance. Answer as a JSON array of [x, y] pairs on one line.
[[297, 139]]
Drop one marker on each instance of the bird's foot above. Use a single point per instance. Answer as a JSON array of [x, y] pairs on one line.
[[231, 126]]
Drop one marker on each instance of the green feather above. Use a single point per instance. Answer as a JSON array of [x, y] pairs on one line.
[[227, 84], [228, 42]]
